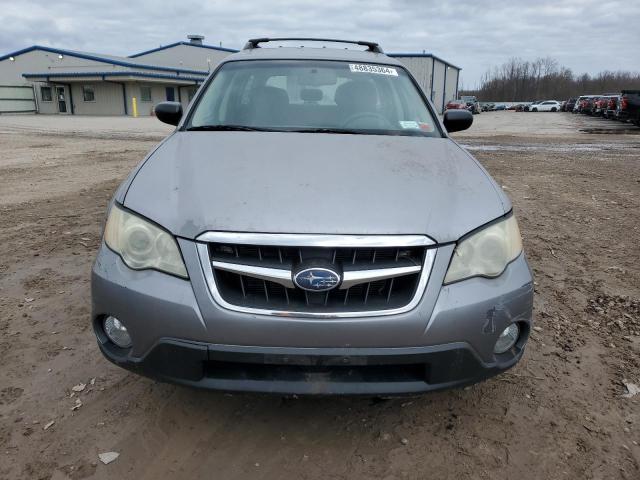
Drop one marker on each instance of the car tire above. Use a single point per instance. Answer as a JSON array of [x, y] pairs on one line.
[[534, 109], [554, 109]]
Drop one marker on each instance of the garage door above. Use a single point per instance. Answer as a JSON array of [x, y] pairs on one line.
[[16, 99]]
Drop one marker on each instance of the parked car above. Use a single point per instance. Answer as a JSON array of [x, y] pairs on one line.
[[546, 106], [600, 105], [500, 106], [527, 108], [488, 107], [610, 110], [563, 106], [472, 103], [242, 254], [629, 106], [590, 105], [585, 105], [582, 103], [578, 105], [569, 106], [456, 105]]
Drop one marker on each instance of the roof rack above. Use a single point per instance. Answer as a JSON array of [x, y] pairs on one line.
[[254, 42]]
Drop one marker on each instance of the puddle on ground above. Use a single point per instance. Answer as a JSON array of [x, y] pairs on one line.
[[612, 131], [558, 147]]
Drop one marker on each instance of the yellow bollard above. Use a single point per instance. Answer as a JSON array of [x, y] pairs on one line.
[[135, 107]]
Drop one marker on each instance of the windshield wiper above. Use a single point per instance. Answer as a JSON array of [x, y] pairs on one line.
[[230, 128], [330, 130]]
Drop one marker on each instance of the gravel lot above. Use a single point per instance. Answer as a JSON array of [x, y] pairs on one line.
[[561, 413]]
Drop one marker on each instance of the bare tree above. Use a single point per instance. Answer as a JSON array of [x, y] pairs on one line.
[[545, 78]]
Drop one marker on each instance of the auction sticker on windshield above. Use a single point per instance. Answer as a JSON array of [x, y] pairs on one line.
[[378, 69]]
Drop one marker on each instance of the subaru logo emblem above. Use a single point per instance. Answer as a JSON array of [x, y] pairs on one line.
[[316, 279]]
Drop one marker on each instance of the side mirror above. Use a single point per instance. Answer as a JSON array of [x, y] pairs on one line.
[[169, 112], [456, 120]]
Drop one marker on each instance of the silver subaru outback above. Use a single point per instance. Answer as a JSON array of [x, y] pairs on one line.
[[311, 228]]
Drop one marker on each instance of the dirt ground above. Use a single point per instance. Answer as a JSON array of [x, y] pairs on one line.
[[561, 413]]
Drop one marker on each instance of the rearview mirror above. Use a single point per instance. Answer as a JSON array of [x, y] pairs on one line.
[[456, 120], [169, 112]]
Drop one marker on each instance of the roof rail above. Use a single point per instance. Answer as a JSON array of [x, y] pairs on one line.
[[254, 42]]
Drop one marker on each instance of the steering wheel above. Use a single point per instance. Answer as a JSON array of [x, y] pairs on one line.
[[357, 116]]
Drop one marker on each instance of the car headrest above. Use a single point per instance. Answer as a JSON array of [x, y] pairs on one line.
[[311, 94], [357, 95], [271, 96]]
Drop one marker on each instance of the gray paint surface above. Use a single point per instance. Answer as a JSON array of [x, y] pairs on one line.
[[314, 183]]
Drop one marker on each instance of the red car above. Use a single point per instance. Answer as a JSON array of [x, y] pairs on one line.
[[586, 105], [600, 105], [612, 106], [456, 105]]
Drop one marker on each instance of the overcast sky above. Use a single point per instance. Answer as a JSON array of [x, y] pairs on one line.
[[584, 35]]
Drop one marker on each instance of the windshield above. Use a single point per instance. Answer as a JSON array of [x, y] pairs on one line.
[[313, 96]]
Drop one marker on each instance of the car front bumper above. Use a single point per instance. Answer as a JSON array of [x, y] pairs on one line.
[[305, 371], [181, 335]]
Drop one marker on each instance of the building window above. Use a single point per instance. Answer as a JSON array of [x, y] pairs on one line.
[[145, 94], [46, 94], [88, 95]]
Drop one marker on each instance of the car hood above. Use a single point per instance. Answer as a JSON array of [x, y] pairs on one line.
[[285, 182]]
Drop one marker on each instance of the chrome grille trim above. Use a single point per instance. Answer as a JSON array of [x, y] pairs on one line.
[[354, 277], [350, 241], [278, 275], [313, 240]]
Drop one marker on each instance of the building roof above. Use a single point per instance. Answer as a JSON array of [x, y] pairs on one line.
[[110, 59], [189, 44], [103, 75], [428, 55]]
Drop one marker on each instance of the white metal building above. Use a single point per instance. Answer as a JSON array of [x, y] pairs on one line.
[[62, 81], [436, 76]]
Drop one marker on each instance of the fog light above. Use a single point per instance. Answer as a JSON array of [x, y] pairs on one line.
[[507, 338], [117, 332]]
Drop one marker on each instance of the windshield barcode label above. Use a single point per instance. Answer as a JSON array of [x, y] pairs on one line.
[[362, 68]]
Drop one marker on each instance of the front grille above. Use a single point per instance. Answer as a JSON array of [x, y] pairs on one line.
[[249, 291]]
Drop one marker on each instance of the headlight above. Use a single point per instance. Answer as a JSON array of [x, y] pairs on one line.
[[141, 244], [487, 252]]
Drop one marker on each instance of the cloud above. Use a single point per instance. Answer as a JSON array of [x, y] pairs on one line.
[[584, 35]]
